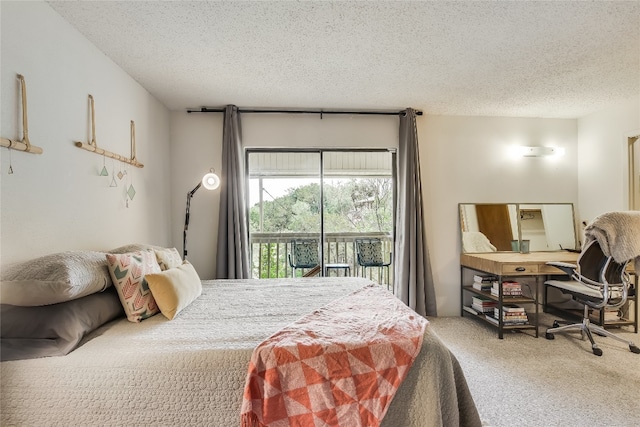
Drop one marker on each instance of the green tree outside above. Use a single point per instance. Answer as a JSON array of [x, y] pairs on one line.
[[350, 205], [354, 205]]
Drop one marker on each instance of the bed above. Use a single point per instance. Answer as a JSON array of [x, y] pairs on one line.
[[192, 370]]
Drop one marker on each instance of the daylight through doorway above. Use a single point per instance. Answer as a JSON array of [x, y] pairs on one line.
[[324, 201]]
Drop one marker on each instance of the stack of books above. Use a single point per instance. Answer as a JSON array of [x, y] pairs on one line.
[[510, 288], [511, 315], [484, 283], [483, 305]]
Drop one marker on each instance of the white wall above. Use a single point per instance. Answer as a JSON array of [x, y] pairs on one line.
[[196, 147], [308, 130], [56, 201], [469, 160], [603, 159]]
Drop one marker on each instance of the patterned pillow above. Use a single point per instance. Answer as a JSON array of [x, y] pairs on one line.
[[127, 272], [168, 258]]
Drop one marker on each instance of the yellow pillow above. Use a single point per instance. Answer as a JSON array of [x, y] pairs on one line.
[[175, 289]]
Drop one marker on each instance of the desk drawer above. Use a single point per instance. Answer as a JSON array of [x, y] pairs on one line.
[[549, 269], [522, 269]]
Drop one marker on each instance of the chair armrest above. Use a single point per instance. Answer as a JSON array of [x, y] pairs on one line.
[[564, 266]]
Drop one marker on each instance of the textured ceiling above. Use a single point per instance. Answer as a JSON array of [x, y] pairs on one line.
[[527, 59]]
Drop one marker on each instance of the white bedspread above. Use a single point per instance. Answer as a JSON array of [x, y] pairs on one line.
[[191, 371]]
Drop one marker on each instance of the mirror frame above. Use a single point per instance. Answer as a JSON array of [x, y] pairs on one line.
[[518, 220], [633, 203]]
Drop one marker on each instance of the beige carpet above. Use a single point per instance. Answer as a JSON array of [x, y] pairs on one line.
[[524, 381]]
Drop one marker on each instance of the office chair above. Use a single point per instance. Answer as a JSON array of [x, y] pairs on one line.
[[369, 254], [597, 281], [304, 254]]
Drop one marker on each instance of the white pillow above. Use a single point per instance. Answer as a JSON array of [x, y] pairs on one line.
[[168, 258]]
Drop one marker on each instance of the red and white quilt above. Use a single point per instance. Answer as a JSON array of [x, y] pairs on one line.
[[338, 366]]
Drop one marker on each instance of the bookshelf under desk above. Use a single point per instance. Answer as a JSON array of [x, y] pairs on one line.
[[511, 264]]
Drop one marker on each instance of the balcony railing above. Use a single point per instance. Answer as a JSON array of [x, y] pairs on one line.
[[269, 252]]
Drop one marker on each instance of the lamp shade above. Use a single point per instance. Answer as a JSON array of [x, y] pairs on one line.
[[211, 181]]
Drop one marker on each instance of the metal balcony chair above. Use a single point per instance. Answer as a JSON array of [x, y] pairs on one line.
[[598, 282], [303, 254], [369, 254]]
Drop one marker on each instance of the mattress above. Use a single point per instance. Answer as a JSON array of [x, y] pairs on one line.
[[191, 371]]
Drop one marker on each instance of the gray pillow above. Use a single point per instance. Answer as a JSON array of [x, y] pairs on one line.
[[54, 278], [56, 329]]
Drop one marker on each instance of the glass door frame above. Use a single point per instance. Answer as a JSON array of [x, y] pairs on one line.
[[321, 152]]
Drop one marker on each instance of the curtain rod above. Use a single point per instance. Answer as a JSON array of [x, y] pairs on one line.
[[321, 112]]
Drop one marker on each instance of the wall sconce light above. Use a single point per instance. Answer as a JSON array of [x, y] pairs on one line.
[[210, 181], [541, 151]]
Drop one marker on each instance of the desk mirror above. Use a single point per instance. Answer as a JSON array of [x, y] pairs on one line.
[[491, 227], [634, 168]]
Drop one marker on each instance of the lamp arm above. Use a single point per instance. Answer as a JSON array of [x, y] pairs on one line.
[[186, 220], [192, 192]]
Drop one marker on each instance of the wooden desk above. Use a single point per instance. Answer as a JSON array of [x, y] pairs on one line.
[[517, 264], [511, 264], [534, 264]]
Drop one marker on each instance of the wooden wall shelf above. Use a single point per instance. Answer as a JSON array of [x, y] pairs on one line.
[[24, 144], [93, 146]]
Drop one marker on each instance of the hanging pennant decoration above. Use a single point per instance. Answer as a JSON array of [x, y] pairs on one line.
[[113, 176], [10, 166], [104, 171], [131, 192]]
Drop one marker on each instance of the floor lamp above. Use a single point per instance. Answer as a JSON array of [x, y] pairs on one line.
[[210, 181]]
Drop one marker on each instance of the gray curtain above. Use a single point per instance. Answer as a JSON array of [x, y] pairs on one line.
[[233, 238], [413, 276]]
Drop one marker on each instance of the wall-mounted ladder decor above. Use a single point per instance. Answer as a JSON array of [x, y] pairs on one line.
[[92, 146], [23, 144]]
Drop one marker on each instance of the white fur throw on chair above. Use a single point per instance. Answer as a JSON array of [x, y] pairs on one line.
[[618, 234]]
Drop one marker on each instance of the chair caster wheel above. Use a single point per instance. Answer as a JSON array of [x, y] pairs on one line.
[[597, 351], [556, 324], [634, 349], [549, 336]]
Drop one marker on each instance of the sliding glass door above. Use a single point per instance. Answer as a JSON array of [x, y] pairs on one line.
[[330, 197], [284, 209]]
